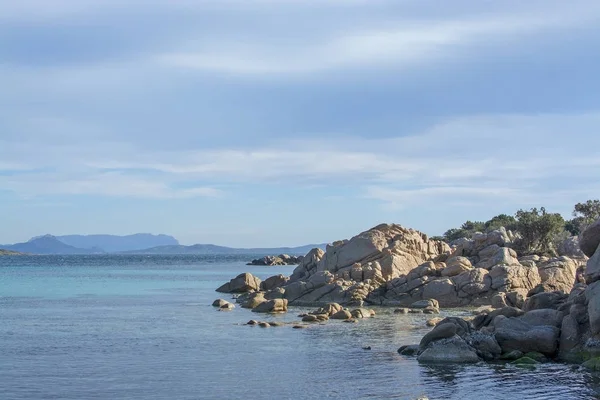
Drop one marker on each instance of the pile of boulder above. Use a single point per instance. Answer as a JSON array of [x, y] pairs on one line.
[[337, 312], [551, 324], [390, 265], [282, 259]]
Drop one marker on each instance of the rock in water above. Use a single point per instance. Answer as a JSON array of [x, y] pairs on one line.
[[451, 350], [272, 306], [242, 283], [219, 303]]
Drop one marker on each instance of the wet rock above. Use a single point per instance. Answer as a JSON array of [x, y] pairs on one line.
[[264, 324], [410, 350], [342, 314], [360, 313], [227, 307], [219, 303], [252, 322], [441, 331], [450, 350], [251, 300]]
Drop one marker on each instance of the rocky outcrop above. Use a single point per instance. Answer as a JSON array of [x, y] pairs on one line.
[[241, 284], [282, 259], [390, 265], [560, 320]]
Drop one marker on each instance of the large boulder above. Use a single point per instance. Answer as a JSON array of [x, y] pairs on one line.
[[441, 331], [592, 295], [506, 278], [397, 250], [308, 264], [274, 282], [242, 283], [456, 266], [590, 239], [557, 274], [251, 300], [494, 255], [272, 306], [592, 270], [450, 350], [527, 335]]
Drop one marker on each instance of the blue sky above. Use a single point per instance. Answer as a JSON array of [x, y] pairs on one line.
[[270, 123]]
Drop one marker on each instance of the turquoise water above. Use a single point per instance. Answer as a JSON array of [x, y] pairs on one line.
[[139, 327]]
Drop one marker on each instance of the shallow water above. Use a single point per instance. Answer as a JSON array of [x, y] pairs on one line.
[[141, 327]]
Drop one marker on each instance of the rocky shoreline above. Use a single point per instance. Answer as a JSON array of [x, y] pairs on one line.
[[540, 308]]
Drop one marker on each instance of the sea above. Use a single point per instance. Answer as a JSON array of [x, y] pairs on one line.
[[142, 327]]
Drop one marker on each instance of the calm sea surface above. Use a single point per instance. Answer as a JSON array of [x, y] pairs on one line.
[[142, 327]]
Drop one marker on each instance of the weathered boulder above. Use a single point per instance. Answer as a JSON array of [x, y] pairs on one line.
[[456, 266], [485, 345], [592, 270], [409, 350], [592, 295], [494, 255], [518, 334], [556, 274], [308, 264], [342, 314], [441, 331], [553, 300], [242, 283], [450, 350], [506, 278], [273, 282], [282, 259], [589, 240], [360, 313], [251, 300], [219, 303], [272, 306], [329, 309], [227, 307]]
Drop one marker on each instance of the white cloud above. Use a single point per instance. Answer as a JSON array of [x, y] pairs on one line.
[[97, 183], [510, 157], [411, 43]]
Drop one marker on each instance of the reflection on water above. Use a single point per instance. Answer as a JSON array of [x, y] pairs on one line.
[[104, 328]]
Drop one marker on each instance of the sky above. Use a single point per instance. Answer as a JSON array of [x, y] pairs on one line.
[[278, 123]]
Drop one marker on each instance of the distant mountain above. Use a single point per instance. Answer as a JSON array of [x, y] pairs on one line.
[[114, 243], [49, 244], [208, 249]]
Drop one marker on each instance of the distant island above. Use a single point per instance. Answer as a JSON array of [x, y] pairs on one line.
[[10, 253], [209, 249], [140, 243]]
